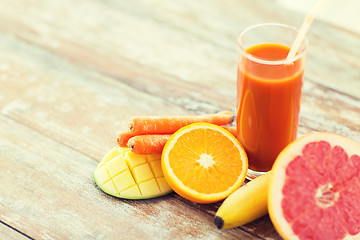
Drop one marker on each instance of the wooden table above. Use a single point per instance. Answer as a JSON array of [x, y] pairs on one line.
[[73, 72]]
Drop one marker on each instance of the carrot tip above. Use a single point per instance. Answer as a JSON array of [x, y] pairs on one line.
[[131, 125], [130, 144]]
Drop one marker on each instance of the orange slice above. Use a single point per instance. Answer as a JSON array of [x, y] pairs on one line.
[[314, 189], [204, 163]]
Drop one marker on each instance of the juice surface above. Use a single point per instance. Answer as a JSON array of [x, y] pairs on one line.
[[268, 104]]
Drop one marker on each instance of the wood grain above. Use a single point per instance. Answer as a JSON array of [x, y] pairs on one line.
[[187, 34], [6, 232]]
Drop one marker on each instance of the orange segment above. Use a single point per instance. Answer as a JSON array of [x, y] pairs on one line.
[[204, 162]]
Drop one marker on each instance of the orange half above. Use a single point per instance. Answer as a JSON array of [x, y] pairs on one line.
[[204, 163]]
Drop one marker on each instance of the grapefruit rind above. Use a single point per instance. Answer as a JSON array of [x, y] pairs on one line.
[[179, 187], [278, 175]]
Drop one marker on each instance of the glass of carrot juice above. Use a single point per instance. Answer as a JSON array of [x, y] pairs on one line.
[[268, 92]]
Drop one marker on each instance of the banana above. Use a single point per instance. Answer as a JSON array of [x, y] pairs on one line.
[[246, 204]]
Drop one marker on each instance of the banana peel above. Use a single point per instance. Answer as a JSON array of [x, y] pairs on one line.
[[244, 205]]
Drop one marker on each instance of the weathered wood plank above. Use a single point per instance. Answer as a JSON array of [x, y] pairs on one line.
[[10, 234], [261, 227], [79, 108], [175, 40], [55, 96], [85, 110], [326, 109], [133, 58], [54, 196]]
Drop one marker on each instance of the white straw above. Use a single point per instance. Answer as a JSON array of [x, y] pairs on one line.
[[303, 30]]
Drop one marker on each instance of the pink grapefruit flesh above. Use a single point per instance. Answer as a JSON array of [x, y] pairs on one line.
[[314, 191]]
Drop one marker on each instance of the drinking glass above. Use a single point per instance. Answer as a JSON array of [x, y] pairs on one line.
[[268, 92]]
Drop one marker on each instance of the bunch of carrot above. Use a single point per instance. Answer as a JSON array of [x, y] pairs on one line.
[[149, 134]]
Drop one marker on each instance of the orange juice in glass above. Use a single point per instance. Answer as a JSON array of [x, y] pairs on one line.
[[268, 93]]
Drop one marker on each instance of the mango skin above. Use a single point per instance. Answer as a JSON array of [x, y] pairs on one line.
[[124, 174]]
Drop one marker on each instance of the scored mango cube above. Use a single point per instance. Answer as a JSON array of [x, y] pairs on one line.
[[116, 165], [154, 157], [156, 168], [133, 159], [142, 173], [125, 174], [163, 185], [111, 154], [149, 188], [101, 175], [110, 188], [123, 181], [132, 193]]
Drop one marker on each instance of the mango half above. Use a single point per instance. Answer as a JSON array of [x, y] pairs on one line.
[[125, 174]]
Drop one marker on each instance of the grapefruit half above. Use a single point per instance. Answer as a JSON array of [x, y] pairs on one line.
[[314, 189]]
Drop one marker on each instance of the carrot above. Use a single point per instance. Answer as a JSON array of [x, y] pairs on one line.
[[231, 129], [154, 143], [123, 138], [170, 124], [148, 144]]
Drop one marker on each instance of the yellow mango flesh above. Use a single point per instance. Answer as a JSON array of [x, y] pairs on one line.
[[125, 174]]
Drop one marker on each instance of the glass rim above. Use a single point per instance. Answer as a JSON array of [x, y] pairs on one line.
[[251, 57]]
